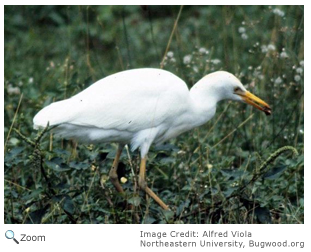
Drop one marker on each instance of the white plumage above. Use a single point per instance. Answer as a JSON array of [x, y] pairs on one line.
[[141, 107]]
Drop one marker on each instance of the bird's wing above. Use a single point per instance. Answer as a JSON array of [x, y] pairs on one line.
[[130, 101]]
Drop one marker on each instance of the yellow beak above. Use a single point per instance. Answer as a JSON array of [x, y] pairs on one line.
[[253, 100]]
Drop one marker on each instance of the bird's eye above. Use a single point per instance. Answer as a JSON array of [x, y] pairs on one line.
[[237, 89]]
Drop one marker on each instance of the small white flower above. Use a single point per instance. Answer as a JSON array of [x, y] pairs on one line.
[[301, 63], [297, 78], [278, 12], [271, 47], [283, 55], [241, 29], [299, 70], [170, 54], [244, 36], [187, 59], [202, 50], [264, 49], [181, 152], [173, 60], [30, 80], [195, 69], [215, 61], [13, 90], [278, 80]]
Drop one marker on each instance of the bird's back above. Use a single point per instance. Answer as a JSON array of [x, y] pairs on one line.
[[119, 105]]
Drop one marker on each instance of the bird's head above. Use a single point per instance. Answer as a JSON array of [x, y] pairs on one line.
[[227, 86]]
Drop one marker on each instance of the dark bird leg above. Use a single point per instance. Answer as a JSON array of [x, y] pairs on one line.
[[113, 175]]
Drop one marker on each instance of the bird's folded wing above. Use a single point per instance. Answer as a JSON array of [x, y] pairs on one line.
[[121, 106]]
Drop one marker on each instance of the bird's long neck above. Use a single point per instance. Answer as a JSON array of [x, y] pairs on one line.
[[204, 100]]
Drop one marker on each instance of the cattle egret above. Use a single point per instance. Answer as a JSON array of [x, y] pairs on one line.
[[140, 107]]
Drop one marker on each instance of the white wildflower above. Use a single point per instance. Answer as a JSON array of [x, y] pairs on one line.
[[13, 90], [215, 61], [278, 12], [301, 63], [283, 55], [195, 69], [299, 70], [244, 36], [278, 80], [271, 47], [170, 54], [181, 152], [297, 78], [187, 59], [202, 50], [264, 49], [241, 29], [30, 80]]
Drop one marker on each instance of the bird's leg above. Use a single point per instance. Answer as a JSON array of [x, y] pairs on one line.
[[143, 185], [113, 171]]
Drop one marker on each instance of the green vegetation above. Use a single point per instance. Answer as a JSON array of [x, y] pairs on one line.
[[214, 174]]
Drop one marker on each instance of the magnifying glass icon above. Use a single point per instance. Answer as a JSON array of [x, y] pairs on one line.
[[10, 235]]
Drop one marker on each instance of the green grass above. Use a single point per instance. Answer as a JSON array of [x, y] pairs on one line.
[[208, 175]]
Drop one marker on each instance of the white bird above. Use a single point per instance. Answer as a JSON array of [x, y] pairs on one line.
[[140, 107]]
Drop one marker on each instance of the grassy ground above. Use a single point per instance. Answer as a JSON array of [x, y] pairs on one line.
[[214, 174]]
